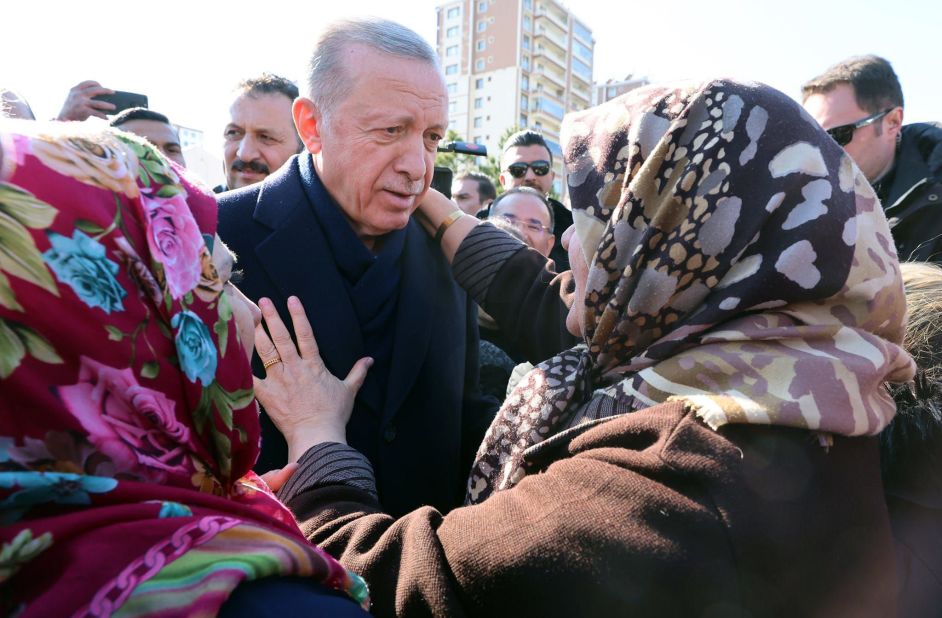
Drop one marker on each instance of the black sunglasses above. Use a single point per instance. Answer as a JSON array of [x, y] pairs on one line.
[[519, 169], [844, 133]]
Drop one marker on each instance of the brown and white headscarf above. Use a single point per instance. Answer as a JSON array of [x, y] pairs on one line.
[[738, 260]]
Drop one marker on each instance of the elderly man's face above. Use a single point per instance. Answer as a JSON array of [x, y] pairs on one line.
[[159, 134], [526, 154], [260, 137], [376, 156]]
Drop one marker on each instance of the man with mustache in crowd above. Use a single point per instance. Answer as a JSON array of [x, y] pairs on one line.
[[333, 228], [260, 135]]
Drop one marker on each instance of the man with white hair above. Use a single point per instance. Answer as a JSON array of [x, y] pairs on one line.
[[333, 228]]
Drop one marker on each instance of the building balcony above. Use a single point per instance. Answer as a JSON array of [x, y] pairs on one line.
[[539, 91], [554, 78], [562, 21], [549, 39], [548, 125], [549, 107], [583, 94], [549, 54]]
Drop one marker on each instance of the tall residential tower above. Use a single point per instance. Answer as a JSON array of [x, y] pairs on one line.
[[514, 63]]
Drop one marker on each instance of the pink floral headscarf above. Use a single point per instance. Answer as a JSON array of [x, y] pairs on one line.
[[128, 426]]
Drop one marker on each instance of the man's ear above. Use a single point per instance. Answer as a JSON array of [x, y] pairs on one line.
[[504, 181], [894, 121], [309, 123]]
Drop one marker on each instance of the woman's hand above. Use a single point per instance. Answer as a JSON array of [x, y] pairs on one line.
[[275, 479], [432, 212], [304, 400]]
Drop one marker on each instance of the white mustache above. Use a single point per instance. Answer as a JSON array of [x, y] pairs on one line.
[[414, 189]]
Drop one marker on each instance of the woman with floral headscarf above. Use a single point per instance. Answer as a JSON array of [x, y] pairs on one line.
[[128, 425], [708, 450]]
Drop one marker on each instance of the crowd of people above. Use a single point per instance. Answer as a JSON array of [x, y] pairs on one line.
[[691, 391]]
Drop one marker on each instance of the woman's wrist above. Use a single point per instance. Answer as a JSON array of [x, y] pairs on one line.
[[304, 438]]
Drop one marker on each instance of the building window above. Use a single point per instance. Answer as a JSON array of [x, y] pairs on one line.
[[451, 50], [454, 12], [482, 7], [451, 69], [527, 23], [538, 125], [584, 52], [527, 5], [525, 63], [479, 64], [550, 107], [482, 26], [525, 82], [452, 88], [523, 120], [526, 42], [478, 139], [582, 69], [479, 83], [612, 92], [451, 32], [524, 102], [480, 45], [478, 122], [452, 106], [581, 31], [478, 103]]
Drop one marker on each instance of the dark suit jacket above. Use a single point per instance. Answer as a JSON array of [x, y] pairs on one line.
[[432, 411]]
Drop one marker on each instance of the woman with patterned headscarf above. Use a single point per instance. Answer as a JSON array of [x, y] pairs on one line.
[[128, 425], [708, 450]]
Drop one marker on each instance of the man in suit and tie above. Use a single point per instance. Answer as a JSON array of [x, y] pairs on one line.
[[333, 227]]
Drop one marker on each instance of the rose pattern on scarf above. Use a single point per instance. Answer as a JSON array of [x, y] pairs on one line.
[[66, 177], [101, 162], [195, 348], [174, 241], [133, 425], [81, 263]]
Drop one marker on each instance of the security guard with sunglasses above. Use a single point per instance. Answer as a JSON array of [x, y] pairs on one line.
[[859, 103], [528, 162]]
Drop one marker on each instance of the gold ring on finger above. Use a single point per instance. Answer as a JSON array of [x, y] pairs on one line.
[[271, 362]]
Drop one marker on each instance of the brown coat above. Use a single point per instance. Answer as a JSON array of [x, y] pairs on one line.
[[644, 514]]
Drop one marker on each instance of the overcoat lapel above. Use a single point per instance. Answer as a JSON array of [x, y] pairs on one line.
[[414, 317], [297, 259]]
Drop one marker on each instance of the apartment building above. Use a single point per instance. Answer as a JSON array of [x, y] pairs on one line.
[[514, 63], [616, 87]]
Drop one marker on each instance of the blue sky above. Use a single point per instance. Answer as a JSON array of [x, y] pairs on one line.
[[186, 56]]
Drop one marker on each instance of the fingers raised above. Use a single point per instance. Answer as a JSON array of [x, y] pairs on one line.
[[307, 344], [276, 328], [263, 345]]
